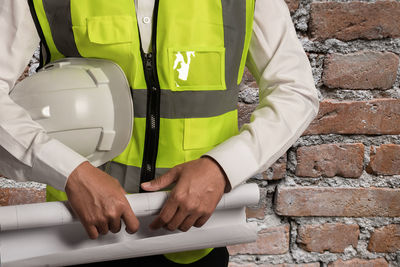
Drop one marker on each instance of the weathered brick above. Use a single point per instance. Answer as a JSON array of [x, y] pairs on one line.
[[244, 113], [384, 159], [380, 262], [361, 70], [385, 239], [277, 170], [333, 237], [379, 116], [292, 5], [355, 20], [16, 196], [314, 264], [249, 79], [24, 74], [350, 202], [329, 160], [274, 240], [257, 212]]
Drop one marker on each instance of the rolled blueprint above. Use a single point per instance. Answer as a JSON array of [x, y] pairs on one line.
[[145, 204], [48, 234]]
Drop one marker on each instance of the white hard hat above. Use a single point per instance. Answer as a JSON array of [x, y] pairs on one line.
[[84, 103]]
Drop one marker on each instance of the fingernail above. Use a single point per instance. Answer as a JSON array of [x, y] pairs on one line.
[[128, 231]]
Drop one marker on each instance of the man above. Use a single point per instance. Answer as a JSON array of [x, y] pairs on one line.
[[207, 161]]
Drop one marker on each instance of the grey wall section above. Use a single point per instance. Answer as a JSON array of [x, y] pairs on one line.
[[59, 16]]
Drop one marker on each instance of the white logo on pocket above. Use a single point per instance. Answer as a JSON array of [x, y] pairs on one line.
[[184, 66]]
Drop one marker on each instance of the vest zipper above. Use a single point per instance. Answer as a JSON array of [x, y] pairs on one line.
[[148, 169]]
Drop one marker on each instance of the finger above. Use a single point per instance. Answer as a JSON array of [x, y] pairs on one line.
[[161, 182], [115, 225], [102, 227], [91, 231], [167, 213], [131, 222], [188, 223], [177, 220], [201, 221]]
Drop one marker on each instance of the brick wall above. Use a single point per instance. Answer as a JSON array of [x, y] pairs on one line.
[[334, 198]]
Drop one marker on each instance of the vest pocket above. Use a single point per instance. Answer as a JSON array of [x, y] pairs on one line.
[[109, 37], [109, 29], [196, 69]]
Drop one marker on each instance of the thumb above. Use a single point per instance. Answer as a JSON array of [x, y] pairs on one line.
[[161, 182]]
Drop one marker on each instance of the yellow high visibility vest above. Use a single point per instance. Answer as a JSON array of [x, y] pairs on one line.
[[184, 91]]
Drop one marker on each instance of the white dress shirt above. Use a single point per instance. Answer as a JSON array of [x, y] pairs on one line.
[[288, 98]]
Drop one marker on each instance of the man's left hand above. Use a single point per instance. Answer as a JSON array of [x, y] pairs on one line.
[[199, 187]]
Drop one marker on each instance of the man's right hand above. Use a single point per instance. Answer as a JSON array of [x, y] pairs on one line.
[[99, 201]]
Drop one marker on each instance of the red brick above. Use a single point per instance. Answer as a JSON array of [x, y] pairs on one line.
[[249, 79], [258, 212], [16, 196], [384, 159], [314, 264], [292, 5], [380, 262], [273, 241], [244, 113], [361, 70], [385, 239], [355, 20], [379, 116], [348, 202], [329, 160], [333, 237], [277, 170], [24, 74]]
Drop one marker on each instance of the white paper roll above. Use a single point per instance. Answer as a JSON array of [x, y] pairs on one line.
[[47, 234], [57, 213]]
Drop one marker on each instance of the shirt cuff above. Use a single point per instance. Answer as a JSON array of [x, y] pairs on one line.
[[54, 162], [238, 167]]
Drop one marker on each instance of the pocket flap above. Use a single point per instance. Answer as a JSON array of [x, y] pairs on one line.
[[110, 29]]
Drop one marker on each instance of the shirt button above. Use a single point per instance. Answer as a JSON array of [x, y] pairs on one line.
[[146, 20]]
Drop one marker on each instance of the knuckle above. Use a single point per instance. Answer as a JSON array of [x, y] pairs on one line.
[[202, 211], [121, 204], [112, 214], [90, 221], [191, 207], [179, 197]]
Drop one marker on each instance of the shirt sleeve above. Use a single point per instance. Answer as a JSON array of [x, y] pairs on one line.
[[26, 151], [288, 99]]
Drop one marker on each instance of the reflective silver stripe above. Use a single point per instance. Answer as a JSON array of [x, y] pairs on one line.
[[188, 104], [58, 13], [234, 15], [128, 176]]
